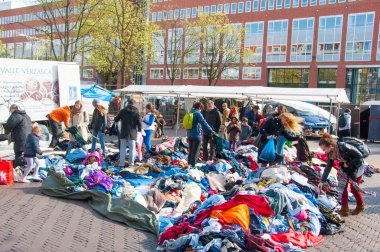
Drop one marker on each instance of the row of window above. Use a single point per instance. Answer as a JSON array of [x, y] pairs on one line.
[[358, 40], [238, 7], [192, 73], [40, 30], [277, 77], [37, 16]]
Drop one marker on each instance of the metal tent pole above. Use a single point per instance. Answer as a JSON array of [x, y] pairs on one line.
[[337, 120], [177, 125], [330, 116]]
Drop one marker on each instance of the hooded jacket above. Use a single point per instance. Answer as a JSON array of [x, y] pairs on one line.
[[198, 123], [61, 115], [18, 124], [213, 118], [32, 147], [130, 122]]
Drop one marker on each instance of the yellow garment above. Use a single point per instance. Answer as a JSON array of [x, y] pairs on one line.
[[238, 214], [266, 183]]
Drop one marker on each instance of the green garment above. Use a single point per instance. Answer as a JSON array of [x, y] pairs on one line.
[[277, 201], [126, 211]]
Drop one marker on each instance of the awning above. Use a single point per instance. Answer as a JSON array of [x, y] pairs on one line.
[[96, 92]]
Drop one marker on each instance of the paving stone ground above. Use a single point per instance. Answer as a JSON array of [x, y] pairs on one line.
[[31, 221]]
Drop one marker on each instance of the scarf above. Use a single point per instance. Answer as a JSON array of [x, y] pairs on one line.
[[75, 111]]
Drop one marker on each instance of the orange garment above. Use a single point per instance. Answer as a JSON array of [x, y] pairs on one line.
[[238, 214], [61, 115]]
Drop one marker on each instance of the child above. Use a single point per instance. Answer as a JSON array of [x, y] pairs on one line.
[[32, 148], [233, 129], [246, 130]]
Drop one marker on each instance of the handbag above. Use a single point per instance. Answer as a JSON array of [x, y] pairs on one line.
[[6, 172]]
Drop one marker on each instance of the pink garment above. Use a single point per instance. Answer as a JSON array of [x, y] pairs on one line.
[[139, 142], [169, 144], [302, 215], [94, 154]]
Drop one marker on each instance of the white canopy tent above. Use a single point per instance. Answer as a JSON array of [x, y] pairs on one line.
[[326, 95]]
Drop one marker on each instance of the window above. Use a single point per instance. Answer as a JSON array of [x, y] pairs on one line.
[[207, 10], [154, 16], [277, 40], [159, 16], [278, 4], [359, 44], [378, 46], [194, 12], [227, 8], [170, 17], [193, 41], [255, 5], [18, 50], [241, 7], [322, 2], [327, 77], [213, 10], [341, 1], [296, 3], [174, 45], [200, 10], [270, 4], [28, 50], [302, 40], [165, 15], [251, 73], [263, 5], [287, 4], [205, 73], [176, 14], [329, 38], [230, 73], [158, 48], [182, 14], [88, 73], [313, 2], [253, 40], [156, 73], [304, 3], [233, 8], [190, 73], [248, 6], [332, 1], [188, 13], [220, 8], [169, 75], [288, 77]]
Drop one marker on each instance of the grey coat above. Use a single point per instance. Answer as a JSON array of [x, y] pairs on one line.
[[19, 125]]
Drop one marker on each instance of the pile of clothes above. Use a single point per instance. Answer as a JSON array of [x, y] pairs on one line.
[[230, 204]]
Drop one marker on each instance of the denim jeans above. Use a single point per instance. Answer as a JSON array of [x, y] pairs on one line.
[[71, 145], [98, 135], [147, 139], [123, 152], [280, 144]]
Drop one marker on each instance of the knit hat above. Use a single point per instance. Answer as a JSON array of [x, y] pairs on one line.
[[95, 102]]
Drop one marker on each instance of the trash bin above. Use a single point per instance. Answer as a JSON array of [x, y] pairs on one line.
[[374, 123], [364, 121]]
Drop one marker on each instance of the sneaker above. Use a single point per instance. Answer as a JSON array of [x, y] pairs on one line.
[[358, 210], [37, 178], [344, 212], [22, 180]]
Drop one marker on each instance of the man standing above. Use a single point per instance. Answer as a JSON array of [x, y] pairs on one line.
[[225, 117], [344, 124], [19, 126], [130, 125], [56, 117], [212, 117]]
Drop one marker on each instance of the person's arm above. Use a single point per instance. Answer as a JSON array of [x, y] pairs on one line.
[[117, 118], [290, 137], [238, 127], [36, 146], [203, 122], [218, 122], [66, 119], [229, 128], [150, 120], [139, 126], [327, 170], [348, 121], [12, 122], [264, 130], [249, 131]]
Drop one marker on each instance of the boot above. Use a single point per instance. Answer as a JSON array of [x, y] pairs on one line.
[[344, 211], [358, 210]]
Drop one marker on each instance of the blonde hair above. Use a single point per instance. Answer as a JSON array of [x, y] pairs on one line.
[[327, 140], [291, 122], [36, 128]]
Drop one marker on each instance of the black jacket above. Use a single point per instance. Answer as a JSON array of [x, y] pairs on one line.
[[353, 158], [213, 118], [99, 122], [130, 122], [32, 147], [19, 125], [273, 126]]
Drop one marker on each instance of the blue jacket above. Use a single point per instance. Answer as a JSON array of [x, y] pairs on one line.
[[32, 147], [199, 123]]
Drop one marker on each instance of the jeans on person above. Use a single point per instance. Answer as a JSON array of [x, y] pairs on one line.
[[55, 131], [358, 195], [98, 135], [147, 138], [123, 152], [206, 140], [71, 145], [194, 148], [232, 145], [280, 144], [30, 164], [344, 133]]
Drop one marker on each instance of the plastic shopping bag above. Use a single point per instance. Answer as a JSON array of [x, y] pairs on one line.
[[268, 154], [6, 172]]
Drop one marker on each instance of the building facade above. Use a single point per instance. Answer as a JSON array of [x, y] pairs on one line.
[[19, 28], [294, 43]]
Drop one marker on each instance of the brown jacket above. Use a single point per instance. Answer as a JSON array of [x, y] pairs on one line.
[[233, 130]]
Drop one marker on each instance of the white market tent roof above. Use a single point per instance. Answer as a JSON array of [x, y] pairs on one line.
[[257, 92]]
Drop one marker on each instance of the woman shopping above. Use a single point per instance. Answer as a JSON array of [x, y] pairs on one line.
[[79, 118], [99, 125], [149, 125]]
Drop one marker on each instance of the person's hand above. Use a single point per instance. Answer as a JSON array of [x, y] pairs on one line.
[[320, 186], [271, 136], [345, 164]]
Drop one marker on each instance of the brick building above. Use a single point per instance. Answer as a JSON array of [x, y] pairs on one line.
[[20, 26], [296, 43]]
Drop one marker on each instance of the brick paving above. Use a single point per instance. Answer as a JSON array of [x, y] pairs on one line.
[[30, 221]]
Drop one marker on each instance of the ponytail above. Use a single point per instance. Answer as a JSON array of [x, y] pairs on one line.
[[327, 140]]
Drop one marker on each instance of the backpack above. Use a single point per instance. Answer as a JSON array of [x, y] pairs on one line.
[[188, 121], [303, 151], [342, 121], [358, 144]]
